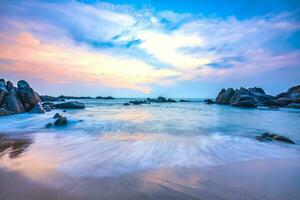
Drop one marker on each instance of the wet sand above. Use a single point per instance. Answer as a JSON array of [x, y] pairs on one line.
[[257, 179]]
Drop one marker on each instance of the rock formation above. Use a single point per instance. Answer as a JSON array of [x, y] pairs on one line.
[[20, 99]]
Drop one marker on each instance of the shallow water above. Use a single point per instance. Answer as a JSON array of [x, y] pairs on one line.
[[113, 139]]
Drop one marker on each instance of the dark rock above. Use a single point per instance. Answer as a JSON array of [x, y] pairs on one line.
[[70, 105], [49, 104], [284, 101], [4, 112], [49, 125], [283, 139], [9, 85], [269, 136], [57, 115], [184, 101], [209, 101], [137, 102], [225, 96], [256, 90], [293, 90], [270, 103], [294, 105], [3, 91], [27, 94], [245, 104], [47, 108], [13, 103], [281, 95], [61, 121], [64, 110], [106, 98], [161, 100], [126, 104], [37, 109]]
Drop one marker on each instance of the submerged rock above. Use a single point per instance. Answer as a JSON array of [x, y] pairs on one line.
[[70, 105], [184, 101], [126, 104], [57, 115], [267, 136], [49, 125], [61, 121]]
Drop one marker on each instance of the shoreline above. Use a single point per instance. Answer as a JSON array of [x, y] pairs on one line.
[[256, 179]]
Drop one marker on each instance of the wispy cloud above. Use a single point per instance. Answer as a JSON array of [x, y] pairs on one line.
[[123, 47]]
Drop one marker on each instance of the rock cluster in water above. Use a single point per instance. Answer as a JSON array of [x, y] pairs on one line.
[[20, 99], [253, 97], [150, 100]]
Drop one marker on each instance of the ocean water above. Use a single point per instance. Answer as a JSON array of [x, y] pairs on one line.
[[107, 139]]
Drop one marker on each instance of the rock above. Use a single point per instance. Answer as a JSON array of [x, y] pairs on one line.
[[57, 115], [283, 139], [106, 98], [126, 104], [27, 94], [49, 125], [256, 90], [13, 103], [4, 112], [245, 104], [267, 136], [3, 91], [281, 95], [49, 104], [37, 109], [161, 100], [61, 121], [271, 103], [70, 105], [184, 101], [284, 101], [137, 102], [293, 90], [209, 101], [9, 85], [225, 96], [294, 105], [47, 108], [64, 110]]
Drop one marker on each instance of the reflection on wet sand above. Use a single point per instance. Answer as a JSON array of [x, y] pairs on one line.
[[13, 146]]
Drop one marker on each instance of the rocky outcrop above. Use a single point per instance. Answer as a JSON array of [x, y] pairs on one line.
[[253, 97], [14, 100], [70, 105], [46, 98], [105, 98], [161, 100]]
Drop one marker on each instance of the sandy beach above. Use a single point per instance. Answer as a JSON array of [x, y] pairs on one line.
[[259, 179]]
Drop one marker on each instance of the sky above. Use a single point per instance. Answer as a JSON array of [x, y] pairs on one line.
[[190, 48]]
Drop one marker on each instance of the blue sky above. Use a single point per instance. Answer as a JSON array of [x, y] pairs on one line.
[[148, 48]]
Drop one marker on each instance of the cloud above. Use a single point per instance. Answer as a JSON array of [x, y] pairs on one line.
[[62, 63], [124, 47]]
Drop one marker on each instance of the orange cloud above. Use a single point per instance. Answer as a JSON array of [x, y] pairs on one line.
[[65, 63]]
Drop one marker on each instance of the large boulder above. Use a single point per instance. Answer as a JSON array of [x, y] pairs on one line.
[[28, 96], [3, 91], [70, 105], [13, 103], [224, 97]]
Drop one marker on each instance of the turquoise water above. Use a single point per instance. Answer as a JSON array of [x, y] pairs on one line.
[[114, 139]]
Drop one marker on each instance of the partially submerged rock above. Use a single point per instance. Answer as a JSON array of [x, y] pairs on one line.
[[184, 101], [209, 101], [267, 136], [161, 100], [57, 115], [294, 105], [49, 125], [61, 121], [4, 112], [245, 104], [70, 105], [37, 109]]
